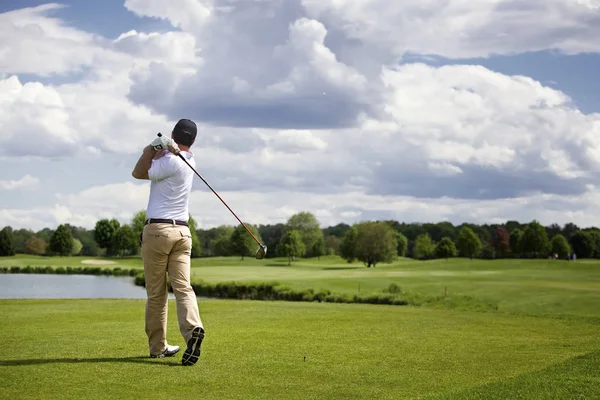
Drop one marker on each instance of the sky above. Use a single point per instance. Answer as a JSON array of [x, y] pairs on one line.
[[417, 111]]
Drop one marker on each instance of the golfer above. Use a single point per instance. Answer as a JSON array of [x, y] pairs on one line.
[[167, 241]]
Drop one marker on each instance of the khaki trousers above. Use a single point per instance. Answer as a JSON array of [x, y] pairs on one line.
[[166, 249]]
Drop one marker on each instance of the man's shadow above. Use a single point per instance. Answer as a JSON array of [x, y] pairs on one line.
[[167, 361]]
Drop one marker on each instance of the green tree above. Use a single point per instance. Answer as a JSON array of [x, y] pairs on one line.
[[348, 246], [125, 241], [445, 248], [515, 240], [376, 242], [7, 247], [241, 243], [534, 240], [77, 247], [138, 221], [216, 241], [35, 245], [291, 245], [333, 244], [424, 247], [582, 244], [318, 249], [596, 240], [222, 247], [500, 241], [104, 232], [468, 243], [308, 227], [560, 246], [196, 246], [402, 244], [19, 238], [61, 241]]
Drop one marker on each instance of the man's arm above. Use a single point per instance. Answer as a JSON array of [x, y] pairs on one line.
[[140, 171]]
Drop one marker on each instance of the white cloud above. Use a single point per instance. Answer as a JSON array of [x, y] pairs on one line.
[[33, 42], [173, 47], [185, 14], [27, 182], [123, 200], [462, 28]]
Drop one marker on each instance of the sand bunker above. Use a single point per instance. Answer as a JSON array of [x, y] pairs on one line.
[[98, 262]]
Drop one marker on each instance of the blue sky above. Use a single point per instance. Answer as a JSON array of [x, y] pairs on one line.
[[475, 113]]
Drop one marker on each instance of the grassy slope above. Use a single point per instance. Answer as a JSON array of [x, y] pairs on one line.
[[62, 349]]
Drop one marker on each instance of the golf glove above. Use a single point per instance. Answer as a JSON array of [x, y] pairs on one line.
[[165, 143]]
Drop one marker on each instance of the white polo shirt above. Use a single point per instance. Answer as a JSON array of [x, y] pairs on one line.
[[170, 187]]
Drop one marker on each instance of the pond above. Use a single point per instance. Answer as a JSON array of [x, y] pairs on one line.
[[42, 286]]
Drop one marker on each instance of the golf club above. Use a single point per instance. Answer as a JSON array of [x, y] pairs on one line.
[[262, 249]]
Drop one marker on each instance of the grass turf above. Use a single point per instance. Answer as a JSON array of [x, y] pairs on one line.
[[96, 349], [537, 287]]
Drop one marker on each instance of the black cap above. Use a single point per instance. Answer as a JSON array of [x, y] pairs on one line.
[[185, 132]]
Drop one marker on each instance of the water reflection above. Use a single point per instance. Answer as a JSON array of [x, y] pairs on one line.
[[41, 286]]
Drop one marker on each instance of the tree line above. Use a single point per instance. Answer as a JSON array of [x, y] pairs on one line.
[[301, 236]]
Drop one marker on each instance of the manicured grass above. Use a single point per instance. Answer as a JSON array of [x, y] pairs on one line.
[[541, 287], [23, 260], [96, 349]]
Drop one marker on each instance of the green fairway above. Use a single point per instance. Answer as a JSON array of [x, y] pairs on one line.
[[61, 349], [541, 287], [23, 260]]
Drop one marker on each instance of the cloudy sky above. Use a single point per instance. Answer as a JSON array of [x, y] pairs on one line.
[[420, 110]]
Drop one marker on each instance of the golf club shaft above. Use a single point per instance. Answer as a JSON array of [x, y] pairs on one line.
[[216, 194]]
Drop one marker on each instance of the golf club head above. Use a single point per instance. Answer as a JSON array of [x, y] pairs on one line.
[[261, 252]]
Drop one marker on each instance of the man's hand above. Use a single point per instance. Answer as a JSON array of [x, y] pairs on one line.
[[165, 143]]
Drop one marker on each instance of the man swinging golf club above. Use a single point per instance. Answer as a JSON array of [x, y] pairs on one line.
[[167, 241]]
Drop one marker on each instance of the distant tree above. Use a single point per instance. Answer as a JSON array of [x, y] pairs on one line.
[[138, 221], [488, 252], [104, 233], [515, 240], [333, 244], [582, 244], [376, 242], [553, 230], [534, 240], [596, 240], [77, 247], [468, 243], [35, 245], [512, 225], [222, 247], [402, 244], [318, 249], [440, 230], [348, 247], [307, 225], [569, 229], [424, 247], [291, 245], [125, 241], [61, 241], [338, 230], [7, 248], [19, 238], [44, 234], [196, 246], [445, 248], [560, 246], [271, 235], [501, 241], [216, 241], [242, 243]]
